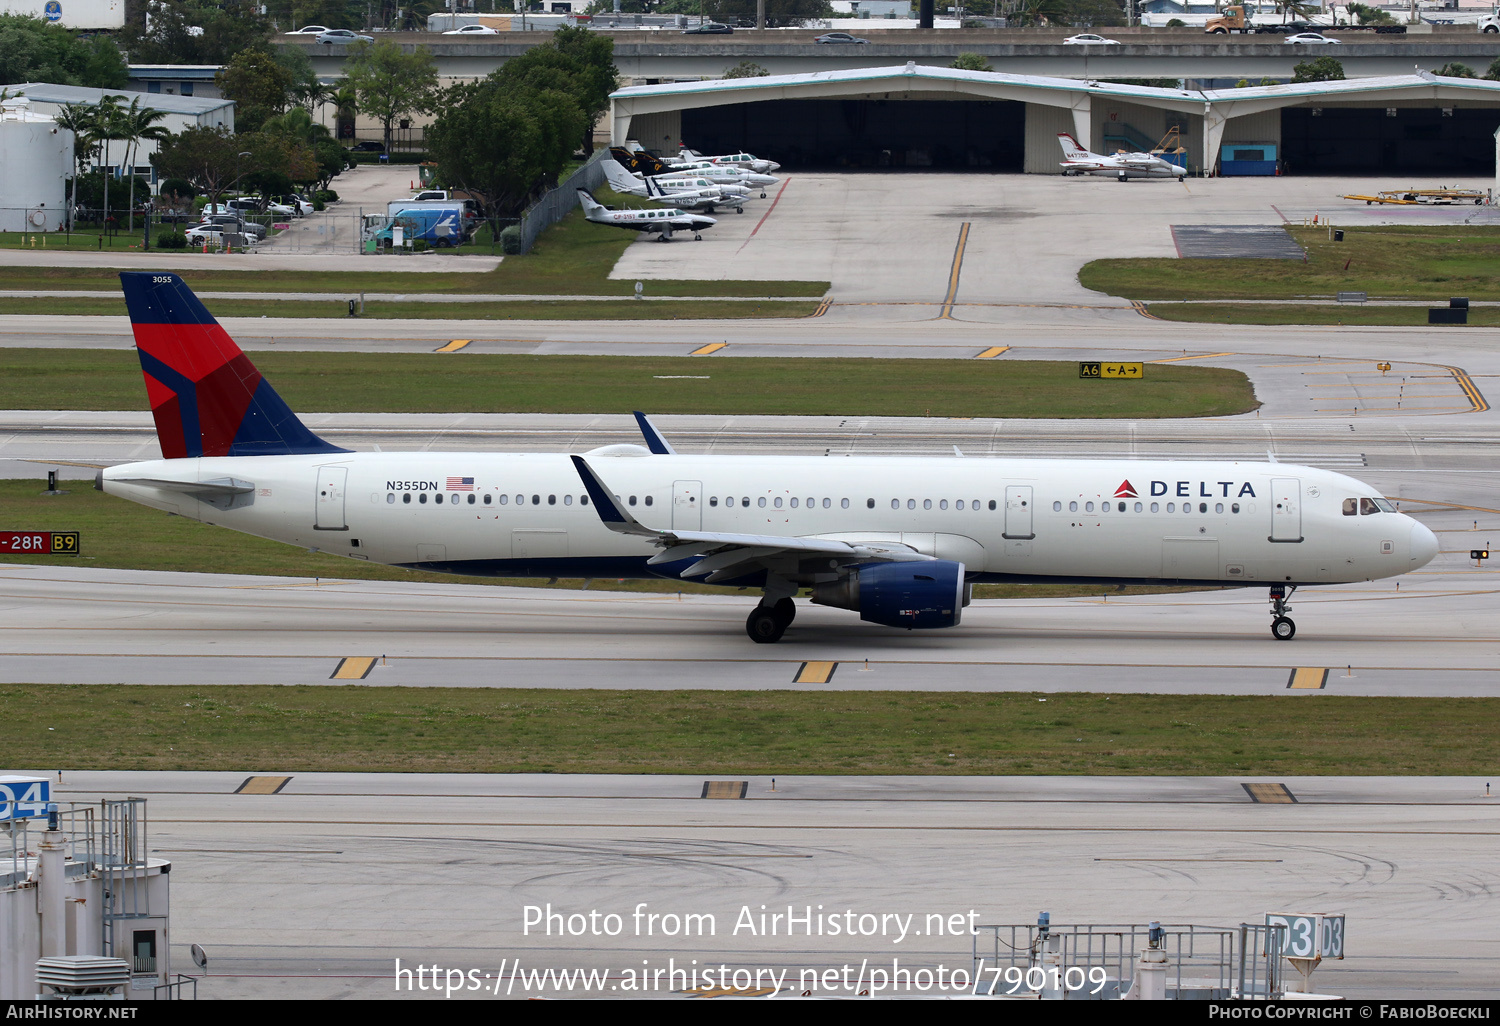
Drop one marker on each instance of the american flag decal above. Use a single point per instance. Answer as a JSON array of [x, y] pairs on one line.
[[460, 484]]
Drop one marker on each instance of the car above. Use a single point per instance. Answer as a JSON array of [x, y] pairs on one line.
[[236, 224], [1310, 39], [310, 30], [213, 234], [709, 28], [473, 30], [296, 204], [368, 146], [1089, 39], [343, 36], [839, 37]]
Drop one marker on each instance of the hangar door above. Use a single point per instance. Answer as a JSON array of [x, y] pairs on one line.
[[954, 135], [1370, 140]]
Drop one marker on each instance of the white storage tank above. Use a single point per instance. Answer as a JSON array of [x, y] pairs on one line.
[[36, 157]]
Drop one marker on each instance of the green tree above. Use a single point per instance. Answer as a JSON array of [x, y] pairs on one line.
[[137, 123], [391, 84], [207, 157], [1323, 69], [31, 50], [317, 156], [78, 118], [258, 85], [1371, 15], [504, 144], [587, 73], [745, 69], [185, 32], [971, 62], [1493, 74], [1454, 70]]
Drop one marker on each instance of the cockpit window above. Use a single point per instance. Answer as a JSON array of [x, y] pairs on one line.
[[1351, 507], [1385, 506], [1367, 506]]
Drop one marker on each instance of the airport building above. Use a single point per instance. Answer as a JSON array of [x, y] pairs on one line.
[[916, 116]]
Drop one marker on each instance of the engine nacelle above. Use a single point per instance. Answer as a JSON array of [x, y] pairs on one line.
[[911, 595]]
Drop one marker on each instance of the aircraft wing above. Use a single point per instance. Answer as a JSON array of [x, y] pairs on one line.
[[725, 555]]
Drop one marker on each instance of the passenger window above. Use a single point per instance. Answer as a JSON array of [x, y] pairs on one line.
[[974, 505], [1218, 507], [1351, 507], [1121, 507], [406, 497], [1088, 507], [959, 504], [536, 500], [552, 500], [471, 498], [422, 498], [911, 503], [567, 500], [1156, 507], [828, 503], [1235, 508], [794, 502], [1202, 507], [713, 500], [1367, 506], [1171, 507], [992, 504], [813, 502], [583, 500], [1138, 507], [777, 502], [926, 503], [895, 504], [504, 499], [632, 500], [943, 504], [869, 504], [761, 502], [648, 500], [438, 498], [488, 497], [1073, 506], [521, 500], [390, 497]]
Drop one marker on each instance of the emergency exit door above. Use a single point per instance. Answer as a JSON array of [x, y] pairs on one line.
[[330, 504], [1018, 512]]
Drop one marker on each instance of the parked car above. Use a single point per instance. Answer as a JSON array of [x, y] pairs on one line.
[[839, 37], [709, 28], [473, 30], [368, 146], [1311, 39], [343, 36], [238, 224], [212, 234], [1089, 39], [250, 205], [310, 30], [297, 204]]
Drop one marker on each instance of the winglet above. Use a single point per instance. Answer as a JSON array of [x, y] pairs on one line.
[[655, 440], [611, 513]]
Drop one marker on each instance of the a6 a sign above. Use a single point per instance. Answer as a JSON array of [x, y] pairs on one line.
[[1315, 935]]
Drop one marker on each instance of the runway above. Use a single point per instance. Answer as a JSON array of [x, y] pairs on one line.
[[316, 890]]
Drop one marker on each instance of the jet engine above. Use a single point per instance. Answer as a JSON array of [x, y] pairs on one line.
[[912, 595]]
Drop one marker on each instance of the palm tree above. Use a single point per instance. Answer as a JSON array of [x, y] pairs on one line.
[[79, 119], [107, 126], [346, 103], [137, 123]]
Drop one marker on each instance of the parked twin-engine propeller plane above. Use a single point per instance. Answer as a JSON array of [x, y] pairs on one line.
[[897, 539], [1122, 165]]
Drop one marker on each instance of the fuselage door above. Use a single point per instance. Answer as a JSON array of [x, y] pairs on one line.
[[330, 505], [687, 505], [1286, 509], [1018, 511]]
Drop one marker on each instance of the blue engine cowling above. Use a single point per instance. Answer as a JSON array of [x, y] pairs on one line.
[[912, 595]]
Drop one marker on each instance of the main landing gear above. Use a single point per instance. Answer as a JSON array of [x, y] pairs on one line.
[[1282, 627], [767, 623]]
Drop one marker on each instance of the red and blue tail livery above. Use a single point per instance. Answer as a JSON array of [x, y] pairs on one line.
[[206, 395]]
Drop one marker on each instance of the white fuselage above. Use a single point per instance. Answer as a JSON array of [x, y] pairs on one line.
[[527, 514]]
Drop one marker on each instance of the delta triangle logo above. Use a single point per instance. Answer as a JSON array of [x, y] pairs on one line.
[[1125, 491]]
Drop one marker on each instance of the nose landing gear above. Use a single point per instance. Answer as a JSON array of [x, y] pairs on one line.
[[1282, 627]]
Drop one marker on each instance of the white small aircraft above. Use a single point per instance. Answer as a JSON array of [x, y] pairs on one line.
[[663, 222], [896, 539], [1122, 165], [748, 161], [687, 193]]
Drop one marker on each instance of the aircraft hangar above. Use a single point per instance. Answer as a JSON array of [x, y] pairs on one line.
[[914, 116]]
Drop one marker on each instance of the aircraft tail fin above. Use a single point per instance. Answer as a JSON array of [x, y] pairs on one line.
[[653, 189], [620, 179], [207, 397], [591, 206], [1070, 146]]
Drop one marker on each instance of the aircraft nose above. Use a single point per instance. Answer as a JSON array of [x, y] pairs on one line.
[[1424, 545]]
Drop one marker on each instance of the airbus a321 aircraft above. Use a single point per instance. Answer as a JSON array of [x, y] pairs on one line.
[[1122, 165], [898, 540]]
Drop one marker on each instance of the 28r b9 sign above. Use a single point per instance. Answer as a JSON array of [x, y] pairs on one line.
[[39, 543]]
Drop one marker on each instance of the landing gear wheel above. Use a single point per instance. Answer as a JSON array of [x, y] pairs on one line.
[[697, 238], [1282, 628], [786, 611], [762, 195], [764, 626], [739, 210]]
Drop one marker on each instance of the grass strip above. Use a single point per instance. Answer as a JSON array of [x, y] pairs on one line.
[[1349, 314], [293, 729], [572, 258], [122, 535], [515, 310], [1388, 262], [477, 382]]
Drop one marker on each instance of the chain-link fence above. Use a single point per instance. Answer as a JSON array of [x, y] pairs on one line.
[[556, 204]]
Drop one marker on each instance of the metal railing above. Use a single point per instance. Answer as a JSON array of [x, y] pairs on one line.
[[17, 857], [1097, 962], [122, 860], [172, 989]]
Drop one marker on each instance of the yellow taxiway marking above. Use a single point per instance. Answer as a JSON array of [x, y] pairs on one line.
[[815, 672], [1200, 356], [1269, 794], [353, 668], [725, 788], [1140, 308], [712, 347], [262, 785], [992, 352], [1470, 391], [822, 308], [1308, 678], [454, 346], [955, 271]]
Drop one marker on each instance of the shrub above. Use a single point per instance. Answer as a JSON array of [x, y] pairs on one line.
[[171, 240], [325, 196], [1176, 23], [420, 246], [510, 240]]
